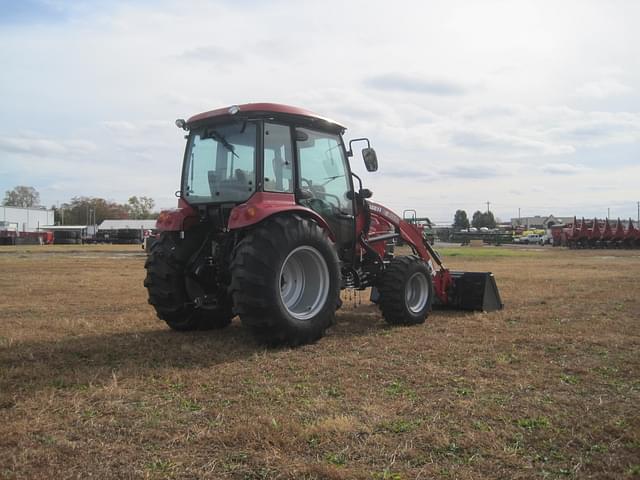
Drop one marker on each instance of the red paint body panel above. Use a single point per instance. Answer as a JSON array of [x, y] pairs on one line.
[[265, 204], [261, 108], [177, 219], [408, 232]]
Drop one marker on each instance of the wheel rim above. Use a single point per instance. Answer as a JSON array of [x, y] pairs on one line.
[[304, 282], [416, 292]]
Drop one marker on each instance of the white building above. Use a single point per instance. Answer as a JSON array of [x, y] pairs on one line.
[[540, 222], [25, 219], [128, 224]]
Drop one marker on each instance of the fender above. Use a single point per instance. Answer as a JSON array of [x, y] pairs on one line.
[[263, 205], [176, 219]]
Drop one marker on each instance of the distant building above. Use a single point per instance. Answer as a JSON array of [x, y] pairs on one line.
[[127, 224], [540, 222], [25, 219]]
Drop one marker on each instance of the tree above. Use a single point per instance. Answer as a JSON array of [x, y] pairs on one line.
[[80, 210], [460, 219], [140, 207], [21, 196], [476, 220], [480, 220]]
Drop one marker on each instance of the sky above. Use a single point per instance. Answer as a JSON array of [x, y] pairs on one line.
[[533, 106]]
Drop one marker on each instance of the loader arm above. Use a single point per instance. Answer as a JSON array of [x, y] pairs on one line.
[[410, 234]]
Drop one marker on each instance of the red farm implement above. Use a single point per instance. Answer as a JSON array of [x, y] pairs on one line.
[[598, 234]]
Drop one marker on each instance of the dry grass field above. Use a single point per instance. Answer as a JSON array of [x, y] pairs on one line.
[[93, 385]]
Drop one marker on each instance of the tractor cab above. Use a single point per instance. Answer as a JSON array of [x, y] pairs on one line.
[[234, 154]]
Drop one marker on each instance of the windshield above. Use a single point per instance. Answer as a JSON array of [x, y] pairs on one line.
[[220, 163]]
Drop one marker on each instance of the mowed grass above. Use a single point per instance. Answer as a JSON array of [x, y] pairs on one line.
[[92, 384], [491, 251]]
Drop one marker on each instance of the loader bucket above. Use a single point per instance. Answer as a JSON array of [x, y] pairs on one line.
[[474, 291]]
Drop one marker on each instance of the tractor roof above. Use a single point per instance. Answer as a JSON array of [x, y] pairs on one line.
[[267, 110]]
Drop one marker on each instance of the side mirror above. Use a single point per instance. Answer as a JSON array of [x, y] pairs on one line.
[[370, 159]]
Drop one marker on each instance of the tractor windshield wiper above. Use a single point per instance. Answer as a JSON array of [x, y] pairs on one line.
[[331, 179], [225, 143]]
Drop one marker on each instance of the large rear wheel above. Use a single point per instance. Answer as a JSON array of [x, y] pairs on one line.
[[166, 283], [286, 280], [406, 291]]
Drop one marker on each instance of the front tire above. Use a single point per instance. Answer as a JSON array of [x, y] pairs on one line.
[[286, 281], [406, 291], [166, 285]]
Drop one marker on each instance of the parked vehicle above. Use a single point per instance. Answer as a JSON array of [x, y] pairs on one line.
[[272, 223]]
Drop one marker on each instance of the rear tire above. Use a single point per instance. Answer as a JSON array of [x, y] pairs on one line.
[[166, 285], [406, 291], [286, 281]]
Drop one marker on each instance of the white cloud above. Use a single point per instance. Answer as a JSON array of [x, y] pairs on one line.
[[603, 88], [212, 54], [563, 168], [402, 82], [461, 103], [505, 144], [28, 145]]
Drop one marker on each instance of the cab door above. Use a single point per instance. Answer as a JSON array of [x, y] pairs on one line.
[[324, 183]]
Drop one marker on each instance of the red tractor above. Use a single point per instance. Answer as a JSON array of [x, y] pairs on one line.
[[272, 223]]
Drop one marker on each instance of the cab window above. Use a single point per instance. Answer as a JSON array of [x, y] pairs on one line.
[[323, 171], [278, 158]]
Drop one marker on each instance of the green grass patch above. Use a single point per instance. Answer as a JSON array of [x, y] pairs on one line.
[[486, 252], [535, 423], [398, 389], [386, 474], [338, 459], [569, 379]]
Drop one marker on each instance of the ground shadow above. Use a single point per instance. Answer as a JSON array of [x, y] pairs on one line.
[[27, 367]]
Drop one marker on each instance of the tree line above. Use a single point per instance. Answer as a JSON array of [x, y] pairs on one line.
[[479, 220], [84, 210]]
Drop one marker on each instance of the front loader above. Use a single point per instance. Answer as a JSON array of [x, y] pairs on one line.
[[272, 223]]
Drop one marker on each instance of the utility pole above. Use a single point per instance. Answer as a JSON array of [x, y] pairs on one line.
[[608, 213], [488, 203]]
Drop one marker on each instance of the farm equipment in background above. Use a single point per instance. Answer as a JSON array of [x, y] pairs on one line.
[[12, 236], [597, 234], [423, 224], [67, 237], [272, 223], [466, 237]]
